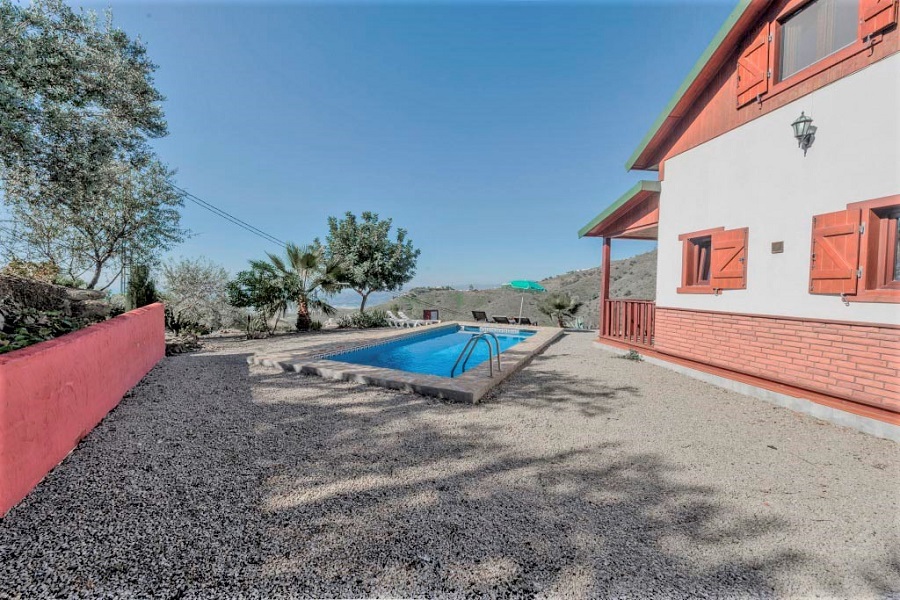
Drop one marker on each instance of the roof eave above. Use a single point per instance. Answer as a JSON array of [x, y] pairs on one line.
[[742, 13], [640, 186]]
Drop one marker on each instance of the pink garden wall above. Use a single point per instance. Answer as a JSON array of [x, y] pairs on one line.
[[54, 393]]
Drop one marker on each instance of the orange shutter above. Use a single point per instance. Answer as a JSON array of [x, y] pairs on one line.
[[875, 15], [753, 69], [728, 263], [835, 253]]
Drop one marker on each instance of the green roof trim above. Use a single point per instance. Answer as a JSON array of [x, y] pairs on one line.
[[641, 186], [689, 80]]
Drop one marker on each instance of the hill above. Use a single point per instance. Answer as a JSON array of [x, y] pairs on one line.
[[633, 277]]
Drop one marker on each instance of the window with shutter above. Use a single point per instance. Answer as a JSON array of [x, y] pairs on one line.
[[729, 260], [834, 261], [713, 260], [879, 250], [753, 69], [876, 16]]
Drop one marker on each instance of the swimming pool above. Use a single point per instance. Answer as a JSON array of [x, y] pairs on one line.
[[434, 352]]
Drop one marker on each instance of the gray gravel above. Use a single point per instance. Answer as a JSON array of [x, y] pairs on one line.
[[585, 475]]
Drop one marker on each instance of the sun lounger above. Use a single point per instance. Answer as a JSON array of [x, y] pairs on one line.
[[525, 321], [395, 321], [480, 315], [498, 319], [416, 322]]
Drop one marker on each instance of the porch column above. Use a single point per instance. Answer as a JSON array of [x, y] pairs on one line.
[[604, 285]]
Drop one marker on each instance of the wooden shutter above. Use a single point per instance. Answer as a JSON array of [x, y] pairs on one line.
[[876, 15], [728, 264], [753, 69], [835, 253]]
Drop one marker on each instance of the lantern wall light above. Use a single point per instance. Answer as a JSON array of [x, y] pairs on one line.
[[804, 132]]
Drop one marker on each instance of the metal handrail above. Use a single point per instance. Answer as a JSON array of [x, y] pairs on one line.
[[480, 336], [459, 358], [470, 346], [497, 342]]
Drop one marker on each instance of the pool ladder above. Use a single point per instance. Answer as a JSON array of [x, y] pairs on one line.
[[470, 346]]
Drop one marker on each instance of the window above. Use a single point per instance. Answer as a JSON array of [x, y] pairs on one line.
[[700, 255], [713, 260], [817, 30], [856, 252], [886, 263]]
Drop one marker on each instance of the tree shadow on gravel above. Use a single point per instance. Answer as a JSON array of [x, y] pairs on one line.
[[373, 493], [213, 479], [540, 386]]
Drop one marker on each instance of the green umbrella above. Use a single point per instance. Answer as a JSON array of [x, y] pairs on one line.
[[528, 286]]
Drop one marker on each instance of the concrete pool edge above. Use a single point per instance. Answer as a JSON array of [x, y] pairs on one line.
[[470, 387]]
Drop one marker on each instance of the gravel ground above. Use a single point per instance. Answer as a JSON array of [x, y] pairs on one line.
[[584, 475]]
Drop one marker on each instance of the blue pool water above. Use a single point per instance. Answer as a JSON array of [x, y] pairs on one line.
[[432, 353]]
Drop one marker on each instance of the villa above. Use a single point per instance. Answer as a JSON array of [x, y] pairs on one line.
[[778, 265]]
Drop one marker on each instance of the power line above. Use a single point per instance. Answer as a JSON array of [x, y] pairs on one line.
[[228, 216]]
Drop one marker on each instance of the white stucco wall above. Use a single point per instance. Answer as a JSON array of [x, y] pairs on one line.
[[755, 176]]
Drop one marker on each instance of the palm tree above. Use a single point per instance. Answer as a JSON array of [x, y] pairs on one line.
[[305, 274], [559, 306]]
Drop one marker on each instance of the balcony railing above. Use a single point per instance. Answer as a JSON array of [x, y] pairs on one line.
[[629, 321]]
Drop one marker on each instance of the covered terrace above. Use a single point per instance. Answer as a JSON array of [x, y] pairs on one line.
[[634, 216]]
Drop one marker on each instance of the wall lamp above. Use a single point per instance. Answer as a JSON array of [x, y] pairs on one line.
[[804, 132]]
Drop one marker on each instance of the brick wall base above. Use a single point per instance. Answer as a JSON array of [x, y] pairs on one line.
[[854, 361]]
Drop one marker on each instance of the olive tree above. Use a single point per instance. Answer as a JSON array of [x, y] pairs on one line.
[[129, 211], [75, 91], [371, 260], [196, 291]]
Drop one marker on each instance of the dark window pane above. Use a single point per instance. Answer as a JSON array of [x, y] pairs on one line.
[[821, 28], [897, 250], [702, 256]]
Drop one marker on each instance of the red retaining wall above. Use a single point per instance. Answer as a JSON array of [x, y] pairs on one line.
[[54, 393], [855, 361]]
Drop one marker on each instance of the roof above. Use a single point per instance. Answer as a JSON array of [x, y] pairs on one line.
[[741, 19], [640, 188]]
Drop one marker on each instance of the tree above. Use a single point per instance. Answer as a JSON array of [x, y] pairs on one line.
[[371, 261], [196, 292], [128, 210], [74, 91], [304, 274], [262, 289], [559, 306], [141, 289]]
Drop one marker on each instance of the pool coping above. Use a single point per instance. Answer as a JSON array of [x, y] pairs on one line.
[[470, 387]]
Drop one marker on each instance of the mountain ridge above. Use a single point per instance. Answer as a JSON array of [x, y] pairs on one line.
[[633, 278]]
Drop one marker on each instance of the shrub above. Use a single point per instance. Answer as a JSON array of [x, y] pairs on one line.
[[179, 323], [141, 289], [45, 271], [315, 325], [367, 320], [196, 293], [22, 326], [632, 355]]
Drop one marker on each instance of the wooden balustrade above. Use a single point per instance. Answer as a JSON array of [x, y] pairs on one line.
[[629, 321]]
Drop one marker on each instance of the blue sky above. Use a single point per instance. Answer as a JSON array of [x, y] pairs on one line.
[[491, 131]]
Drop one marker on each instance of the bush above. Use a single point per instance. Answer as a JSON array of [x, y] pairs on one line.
[[632, 355], [46, 271], [196, 292], [315, 326], [141, 289], [22, 326], [366, 320], [179, 324]]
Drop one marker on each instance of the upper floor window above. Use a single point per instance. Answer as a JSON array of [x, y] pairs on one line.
[[817, 30]]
